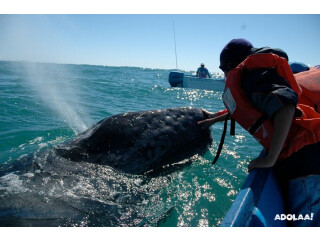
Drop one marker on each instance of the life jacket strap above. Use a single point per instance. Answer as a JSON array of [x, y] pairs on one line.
[[258, 123], [233, 127], [221, 140]]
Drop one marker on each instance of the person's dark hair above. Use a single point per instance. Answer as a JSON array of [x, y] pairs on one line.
[[234, 53]]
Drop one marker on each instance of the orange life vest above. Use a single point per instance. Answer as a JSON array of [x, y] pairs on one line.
[[304, 130], [309, 82]]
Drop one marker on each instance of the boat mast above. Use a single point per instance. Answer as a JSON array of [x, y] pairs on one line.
[[175, 46]]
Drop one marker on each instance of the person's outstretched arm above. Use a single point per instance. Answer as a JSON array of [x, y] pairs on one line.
[[212, 118], [282, 123]]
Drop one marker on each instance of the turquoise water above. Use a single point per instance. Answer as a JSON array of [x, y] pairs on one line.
[[43, 105]]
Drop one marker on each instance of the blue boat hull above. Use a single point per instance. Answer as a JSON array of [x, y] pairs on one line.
[[258, 202], [179, 79]]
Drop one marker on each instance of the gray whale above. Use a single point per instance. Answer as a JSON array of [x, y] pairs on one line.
[[136, 142]]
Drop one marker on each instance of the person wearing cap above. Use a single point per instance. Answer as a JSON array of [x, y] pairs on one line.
[[272, 95], [233, 54], [202, 72]]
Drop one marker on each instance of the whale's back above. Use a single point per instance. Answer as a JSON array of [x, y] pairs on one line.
[[136, 142]]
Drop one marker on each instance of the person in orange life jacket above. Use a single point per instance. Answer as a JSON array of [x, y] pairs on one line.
[[202, 72], [272, 95]]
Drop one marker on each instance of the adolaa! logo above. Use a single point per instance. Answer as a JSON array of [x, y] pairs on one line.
[[293, 217]]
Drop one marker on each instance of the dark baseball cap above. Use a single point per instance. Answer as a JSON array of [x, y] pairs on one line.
[[234, 53]]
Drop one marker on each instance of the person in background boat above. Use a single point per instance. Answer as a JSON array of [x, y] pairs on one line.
[[202, 72], [298, 173]]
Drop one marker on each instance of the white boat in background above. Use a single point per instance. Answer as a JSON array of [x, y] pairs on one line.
[[179, 79]]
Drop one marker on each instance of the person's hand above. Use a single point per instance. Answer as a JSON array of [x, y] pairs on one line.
[[265, 162], [209, 119], [208, 114], [207, 123]]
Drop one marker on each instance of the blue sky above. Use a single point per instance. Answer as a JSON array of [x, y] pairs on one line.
[[147, 40]]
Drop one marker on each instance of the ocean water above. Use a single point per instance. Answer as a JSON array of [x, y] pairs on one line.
[[42, 105]]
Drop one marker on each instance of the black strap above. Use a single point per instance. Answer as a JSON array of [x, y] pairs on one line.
[[254, 127], [257, 124], [233, 127], [221, 140]]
